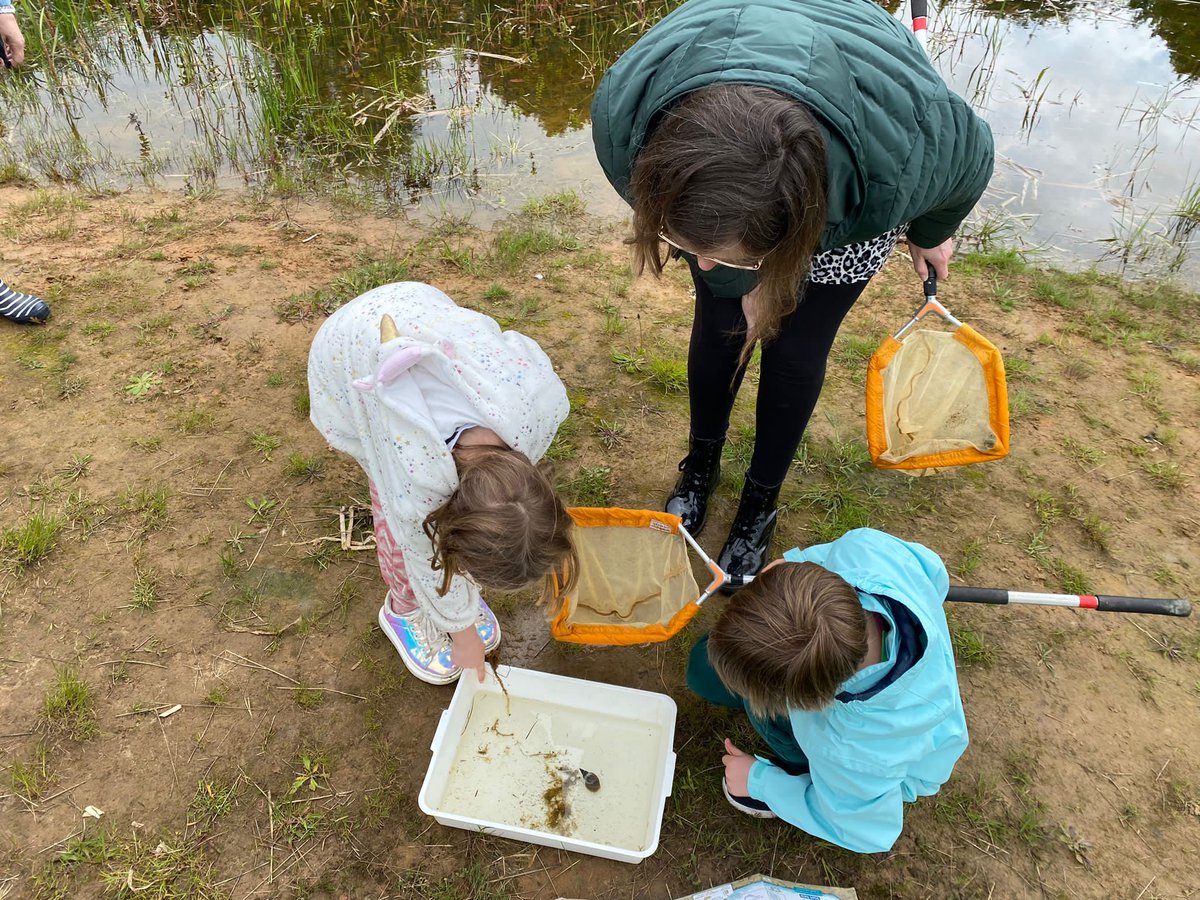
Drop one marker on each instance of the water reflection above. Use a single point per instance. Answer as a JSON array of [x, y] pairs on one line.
[[474, 104]]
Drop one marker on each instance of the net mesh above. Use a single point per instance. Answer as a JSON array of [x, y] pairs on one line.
[[630, 576], [935, 399]]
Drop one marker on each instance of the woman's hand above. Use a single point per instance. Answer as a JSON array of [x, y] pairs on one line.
[[14, 41], [737, 769], [466, 650], [938, 257], [750, 309]]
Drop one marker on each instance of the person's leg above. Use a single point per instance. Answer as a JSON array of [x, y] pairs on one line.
[[718, 332], [778, 734], [400, 597], [424, 648], [24, 309], [714, 376], [792, 375], [400, 610], [702, 680]]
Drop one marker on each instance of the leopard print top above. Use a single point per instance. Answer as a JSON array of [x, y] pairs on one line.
[[854, 263]]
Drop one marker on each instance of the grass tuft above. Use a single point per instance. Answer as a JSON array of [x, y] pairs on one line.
[[340, 291], [265, 443], [195, 420], [150, 504], [69, 706], [969, 646], [669, 375], [306, 468], [592, 486], [1166, 475], [30, 543], [145, 594], [30, 779]]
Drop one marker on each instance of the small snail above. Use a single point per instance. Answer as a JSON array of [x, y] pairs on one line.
[[591, 780]]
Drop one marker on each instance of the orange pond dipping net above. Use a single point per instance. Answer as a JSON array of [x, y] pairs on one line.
[[635, 583], [936, 398]]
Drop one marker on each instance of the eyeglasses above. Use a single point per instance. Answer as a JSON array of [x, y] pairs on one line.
[[753, 267]]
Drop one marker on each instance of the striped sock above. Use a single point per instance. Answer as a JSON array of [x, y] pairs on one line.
[[24, 309]]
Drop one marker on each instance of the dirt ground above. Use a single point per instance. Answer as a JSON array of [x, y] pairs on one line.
[[196, 700]]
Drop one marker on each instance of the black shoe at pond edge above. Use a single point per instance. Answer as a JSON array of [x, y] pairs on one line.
[[701, 470], [749, 544]]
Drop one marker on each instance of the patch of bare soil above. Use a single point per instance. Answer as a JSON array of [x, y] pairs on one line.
[[194, 657]]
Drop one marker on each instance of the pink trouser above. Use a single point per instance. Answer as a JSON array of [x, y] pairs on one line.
[[391, 562]]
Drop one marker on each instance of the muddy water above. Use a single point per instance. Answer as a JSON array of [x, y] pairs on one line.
[[476, 106]]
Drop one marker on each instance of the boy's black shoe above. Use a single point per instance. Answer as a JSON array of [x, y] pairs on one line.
[[748, 805], [701, 470], [749, 544]]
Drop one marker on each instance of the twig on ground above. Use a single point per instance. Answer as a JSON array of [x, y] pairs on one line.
[[44, 800], [271, 525], [170, 756], [136, 662], [251, 664], [317, 687], [221, 475]]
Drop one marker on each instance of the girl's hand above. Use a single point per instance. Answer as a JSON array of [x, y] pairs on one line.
[[466, 650], [938, 257], [737, 769]]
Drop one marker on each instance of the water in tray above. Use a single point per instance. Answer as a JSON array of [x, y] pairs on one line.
[[519, 762]]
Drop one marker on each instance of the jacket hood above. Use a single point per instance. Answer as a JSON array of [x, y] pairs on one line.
[[900, 147]]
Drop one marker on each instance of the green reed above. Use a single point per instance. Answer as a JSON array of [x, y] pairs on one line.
[[305, 93]]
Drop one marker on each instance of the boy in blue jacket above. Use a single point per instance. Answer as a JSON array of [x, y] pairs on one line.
[[841, 656]]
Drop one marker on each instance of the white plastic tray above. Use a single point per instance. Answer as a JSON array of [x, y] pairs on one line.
[[650, 713]]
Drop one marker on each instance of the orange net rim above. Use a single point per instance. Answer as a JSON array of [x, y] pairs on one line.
[[625, 635], [992, 364]]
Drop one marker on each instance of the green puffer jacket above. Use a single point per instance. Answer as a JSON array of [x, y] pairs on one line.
[[901, 147]]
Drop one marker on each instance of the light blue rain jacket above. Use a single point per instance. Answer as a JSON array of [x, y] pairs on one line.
[[868, 757]]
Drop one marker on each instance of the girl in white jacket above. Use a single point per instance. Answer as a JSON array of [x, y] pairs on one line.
[[448, 416]]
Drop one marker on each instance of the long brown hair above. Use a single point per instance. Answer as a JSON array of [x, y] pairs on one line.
[[735, 166], [504, 526], [789, 639]]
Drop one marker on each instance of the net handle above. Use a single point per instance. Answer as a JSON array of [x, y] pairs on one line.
[[920, 22], [930, 306], [719, 576]]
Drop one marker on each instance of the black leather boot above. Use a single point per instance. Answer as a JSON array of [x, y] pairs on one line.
[[749, 542], [701, 470]]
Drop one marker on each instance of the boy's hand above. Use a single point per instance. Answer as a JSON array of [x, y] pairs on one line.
[[14, 41], [467, 651], [737, 769]]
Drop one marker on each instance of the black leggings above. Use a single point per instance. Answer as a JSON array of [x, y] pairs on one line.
[[793, 370]]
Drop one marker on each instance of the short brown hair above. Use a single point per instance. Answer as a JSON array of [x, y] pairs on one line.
[[504, 526], [735, 165], [789, 639]]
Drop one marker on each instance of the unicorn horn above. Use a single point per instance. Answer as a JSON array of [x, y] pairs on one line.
[[387, 329]]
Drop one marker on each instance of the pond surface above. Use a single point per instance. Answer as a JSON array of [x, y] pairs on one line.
[[471, 106]]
